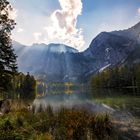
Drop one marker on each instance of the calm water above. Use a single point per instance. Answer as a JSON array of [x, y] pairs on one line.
[[93, 100]]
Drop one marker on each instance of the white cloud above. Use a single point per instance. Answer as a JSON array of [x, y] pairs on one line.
[[19, 30], [138, 10], [64, 24], [37, 36]]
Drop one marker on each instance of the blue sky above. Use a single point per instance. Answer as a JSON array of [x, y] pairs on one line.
[[72, 22]]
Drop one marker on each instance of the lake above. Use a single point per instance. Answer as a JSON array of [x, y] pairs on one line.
[[120, 100], [123, 106]]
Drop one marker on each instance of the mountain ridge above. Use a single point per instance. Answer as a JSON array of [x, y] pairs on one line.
[[60, 62], [51, 47]]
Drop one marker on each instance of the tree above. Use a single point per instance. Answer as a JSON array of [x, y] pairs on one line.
[[137, 75], [7, 57], [28, 89], [126, 76]]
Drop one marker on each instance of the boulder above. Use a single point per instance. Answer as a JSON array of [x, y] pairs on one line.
[[5, 106]]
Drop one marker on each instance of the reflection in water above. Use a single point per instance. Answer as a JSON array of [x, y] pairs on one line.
[[71, 99], [95, 101]]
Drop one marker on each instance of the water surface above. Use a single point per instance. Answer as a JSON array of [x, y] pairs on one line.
[[95, 100]]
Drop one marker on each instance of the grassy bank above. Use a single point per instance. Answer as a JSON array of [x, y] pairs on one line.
[[124, 102], [128, 104], [65, 124]]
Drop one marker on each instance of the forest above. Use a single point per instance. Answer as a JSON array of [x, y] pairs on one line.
[[127, 77]]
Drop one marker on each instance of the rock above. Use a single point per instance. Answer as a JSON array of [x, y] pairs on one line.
[[5, 106], [30, 108], [1, 113]]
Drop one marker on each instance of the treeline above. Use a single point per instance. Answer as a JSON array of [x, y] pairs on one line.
[[25, 86], [18, 85], [119, 77]]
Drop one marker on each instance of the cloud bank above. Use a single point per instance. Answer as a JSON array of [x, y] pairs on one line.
[[64, 24]]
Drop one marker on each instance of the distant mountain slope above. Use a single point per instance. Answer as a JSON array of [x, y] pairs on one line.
[[58, 48], [133, 57], [109, 48], [114, 47], [132, 33], [57, 62]]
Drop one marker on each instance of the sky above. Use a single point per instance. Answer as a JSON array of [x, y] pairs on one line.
[[71, 22]]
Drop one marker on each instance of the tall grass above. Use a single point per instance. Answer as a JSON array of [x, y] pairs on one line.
[[64, 124]]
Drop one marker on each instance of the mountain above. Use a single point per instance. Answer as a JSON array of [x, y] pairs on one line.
[[54, 62], [58, 62], [132, 33], [113, 48], [52, 48], [134, 57]]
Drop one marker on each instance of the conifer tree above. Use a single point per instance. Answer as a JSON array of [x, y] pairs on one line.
[[7, 57]]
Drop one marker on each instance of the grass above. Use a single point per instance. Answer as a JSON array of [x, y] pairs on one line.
[[130, 103], [126, 103], [65, 124], [121, 101]]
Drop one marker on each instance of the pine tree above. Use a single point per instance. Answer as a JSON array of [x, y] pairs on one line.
[[28, 89], [7, 57]]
